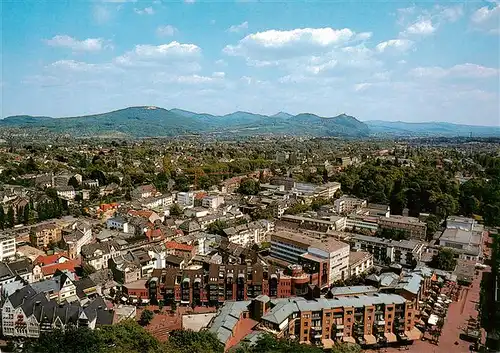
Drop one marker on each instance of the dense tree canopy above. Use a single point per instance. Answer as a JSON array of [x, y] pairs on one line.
[[444, 260]]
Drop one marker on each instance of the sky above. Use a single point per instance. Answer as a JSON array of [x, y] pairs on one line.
[[375, 60]]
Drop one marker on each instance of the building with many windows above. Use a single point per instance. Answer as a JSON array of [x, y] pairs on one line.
[[365, 319], [7, 247], [412, 226], [385, 251], [298, 248]]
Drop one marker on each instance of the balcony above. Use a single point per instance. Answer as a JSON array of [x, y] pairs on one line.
[[381, 322], [339, 326]]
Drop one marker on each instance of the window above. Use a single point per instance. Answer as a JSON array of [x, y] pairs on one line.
[[305, 332], [306, 324]]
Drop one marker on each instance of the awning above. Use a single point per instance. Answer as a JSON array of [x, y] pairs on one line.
[[413, 334], [391, 337], [370, 339], [327, 343], [348, 339]]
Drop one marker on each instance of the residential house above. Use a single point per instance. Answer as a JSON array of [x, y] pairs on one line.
[[98, 254]]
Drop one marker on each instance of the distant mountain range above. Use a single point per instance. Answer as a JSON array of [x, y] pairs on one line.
[[159, 122]]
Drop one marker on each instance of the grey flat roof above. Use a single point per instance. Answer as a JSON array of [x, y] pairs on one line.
[[461, 236], [352, 290], [285, 307]]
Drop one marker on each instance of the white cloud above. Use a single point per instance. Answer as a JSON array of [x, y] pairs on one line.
[[189, 1], [238, 28], [166, 31], [65, 41], [418, 21], [146, 11], [219, 74], [400, 45], [467, 70], [184, 56], [487, 18], [361, 86], [277, 44], [423, 27]]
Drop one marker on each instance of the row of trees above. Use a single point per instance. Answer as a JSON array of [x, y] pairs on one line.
[[129, 337]]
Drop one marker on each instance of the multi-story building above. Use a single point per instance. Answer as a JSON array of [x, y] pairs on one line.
[[346, 204], [320, 225], [66, 192], [7, 247], [118, 222], [197, 286], [360, 262], [185, 199], [212, 201], [385, 251], [412, 226], [365, 319], [44, 234], [290, 247]]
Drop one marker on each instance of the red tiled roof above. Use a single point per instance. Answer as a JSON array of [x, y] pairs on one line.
[[178, 246], [49, 259], [200, 195], [142, 213], [68, 265], [154, 233]]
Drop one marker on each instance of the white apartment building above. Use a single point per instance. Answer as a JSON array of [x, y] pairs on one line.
[[290, 246], [185, 199], [346, 204], [212, 201], [118, 223], [66, 192], [7, 247], [403, 252], [338, 254]]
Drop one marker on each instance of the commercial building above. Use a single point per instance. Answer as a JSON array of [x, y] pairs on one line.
[[365, 319], [314, 224], [194, 285], [412, 226], [385, 251], [291, 247], [346, 204], [7, 247]]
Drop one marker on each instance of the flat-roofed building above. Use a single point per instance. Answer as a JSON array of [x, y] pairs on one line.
[[291, 247], [360, 262], [346, 204], [412, 226], [7, 246], [365, 319], [384, 251]]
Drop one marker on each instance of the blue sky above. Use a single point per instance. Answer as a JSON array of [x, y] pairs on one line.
[[387, 60]]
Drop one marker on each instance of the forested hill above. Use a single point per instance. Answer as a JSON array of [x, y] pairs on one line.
[[158, 122]]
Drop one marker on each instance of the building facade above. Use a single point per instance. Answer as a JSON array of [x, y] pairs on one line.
[[386, 251]]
